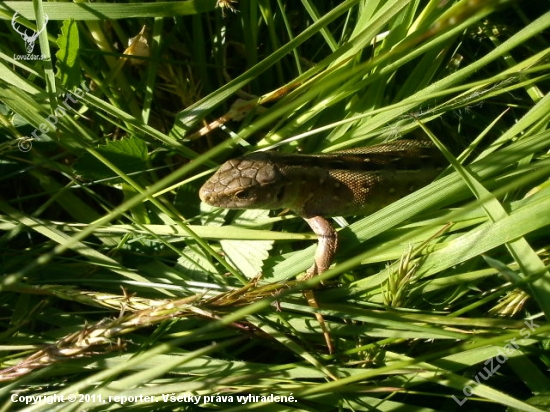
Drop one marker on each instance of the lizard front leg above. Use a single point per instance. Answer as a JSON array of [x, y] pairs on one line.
[[326, 246]]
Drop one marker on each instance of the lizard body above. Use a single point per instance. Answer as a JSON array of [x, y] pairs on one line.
[[350, 182]]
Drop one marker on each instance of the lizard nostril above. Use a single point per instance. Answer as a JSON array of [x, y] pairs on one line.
[[205, 196]]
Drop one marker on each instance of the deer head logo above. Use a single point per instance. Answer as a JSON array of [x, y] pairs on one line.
[[29, 40]]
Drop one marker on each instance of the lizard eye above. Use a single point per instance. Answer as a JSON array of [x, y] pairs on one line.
[[242, 194]]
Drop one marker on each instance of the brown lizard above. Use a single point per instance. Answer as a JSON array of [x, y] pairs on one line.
[[350, 182]]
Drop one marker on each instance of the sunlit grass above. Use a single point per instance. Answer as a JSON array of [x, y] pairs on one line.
[[117, 281]]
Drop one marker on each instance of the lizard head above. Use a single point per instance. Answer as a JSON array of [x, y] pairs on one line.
[[249, 182]]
